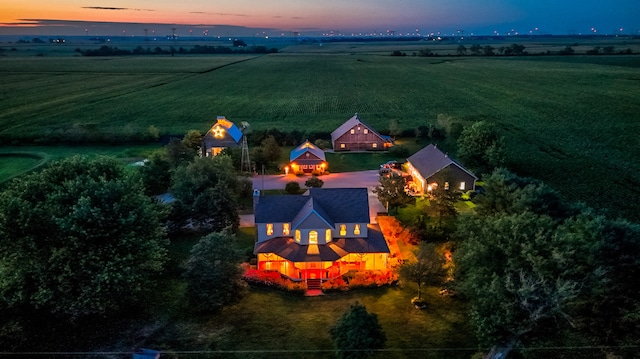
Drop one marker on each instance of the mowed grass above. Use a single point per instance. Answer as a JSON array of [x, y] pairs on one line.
[[17, 160], [570, 121], [273, 324], [14, 164]]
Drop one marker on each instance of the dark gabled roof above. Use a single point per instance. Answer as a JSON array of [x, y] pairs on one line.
[[278, 209], [307, 147], [232, 134], [335, 205], [430, 160], [351, 123], [287, 248], [308, 209], [344, 205]]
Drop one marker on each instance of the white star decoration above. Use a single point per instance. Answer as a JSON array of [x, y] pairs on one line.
[[218, 132]]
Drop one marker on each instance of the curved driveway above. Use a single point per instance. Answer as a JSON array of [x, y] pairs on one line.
[[359, 179]]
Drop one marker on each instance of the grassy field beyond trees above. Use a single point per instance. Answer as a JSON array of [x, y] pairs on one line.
[[568, 120]]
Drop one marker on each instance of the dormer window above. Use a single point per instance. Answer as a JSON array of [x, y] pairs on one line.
[[285, 229], [269, 229], [356, 230], [313, 237], [298, 235], [343, 229]]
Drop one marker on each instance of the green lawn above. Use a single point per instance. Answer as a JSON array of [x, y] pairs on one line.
[[14, 164], [17, 160], [292, 326]]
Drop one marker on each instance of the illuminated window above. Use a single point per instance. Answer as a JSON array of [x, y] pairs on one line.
[[327, 235], [297, 235], [358, 128], [462, 186], [307, 154], [446, 186], [366, 131], [375, 145], [313, 237], [353, 132], [343, 229], [342, 145], [356, 229], [285, 229], [269, 229]]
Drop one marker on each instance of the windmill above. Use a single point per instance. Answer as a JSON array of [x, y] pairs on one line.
[[245, 163]]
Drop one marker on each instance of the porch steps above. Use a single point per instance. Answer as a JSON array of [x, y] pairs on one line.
[[314, 284], [314, 287]]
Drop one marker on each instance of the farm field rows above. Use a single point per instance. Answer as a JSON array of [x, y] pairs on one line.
[[570, 121]]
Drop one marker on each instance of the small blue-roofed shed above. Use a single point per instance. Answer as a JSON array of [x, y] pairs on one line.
[[307, 158]]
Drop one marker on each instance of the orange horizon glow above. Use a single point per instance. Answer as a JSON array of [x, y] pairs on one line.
[[241, 13]]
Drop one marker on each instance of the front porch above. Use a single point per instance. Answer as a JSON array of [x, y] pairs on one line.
[[303, 271]]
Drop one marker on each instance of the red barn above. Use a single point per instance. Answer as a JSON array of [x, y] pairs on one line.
[[355, 135]]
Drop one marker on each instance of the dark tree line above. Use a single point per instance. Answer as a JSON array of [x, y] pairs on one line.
[[197, 49]]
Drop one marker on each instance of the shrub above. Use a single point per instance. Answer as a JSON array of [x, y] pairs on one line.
[[273, 279], [314, 181], [292, 187], [335, 285]]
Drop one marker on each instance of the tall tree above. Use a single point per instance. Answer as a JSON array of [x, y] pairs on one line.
[[608, 311], [156, 173], [428, 266], [271, 149], [518, 271], [79, 238], [213, 273], [357, 334], [193, 141], [391, 191], [505, 192], [207, 186], [481, 147]]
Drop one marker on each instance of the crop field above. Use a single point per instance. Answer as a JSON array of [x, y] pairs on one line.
[[571, 121]]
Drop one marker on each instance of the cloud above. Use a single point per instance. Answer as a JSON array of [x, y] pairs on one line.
[[113, 8]]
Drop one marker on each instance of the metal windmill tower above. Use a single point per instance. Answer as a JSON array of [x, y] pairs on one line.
[[245, 163]]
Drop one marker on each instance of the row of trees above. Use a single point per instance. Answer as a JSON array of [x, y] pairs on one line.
[[513, 50], [196, 50]]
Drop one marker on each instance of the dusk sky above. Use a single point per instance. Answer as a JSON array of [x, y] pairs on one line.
[[104, 17]]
